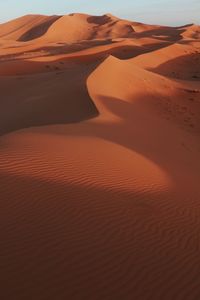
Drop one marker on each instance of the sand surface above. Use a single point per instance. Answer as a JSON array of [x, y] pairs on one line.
[[99, 159]]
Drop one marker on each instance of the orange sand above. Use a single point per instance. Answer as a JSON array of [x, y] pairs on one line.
[[99, 159]]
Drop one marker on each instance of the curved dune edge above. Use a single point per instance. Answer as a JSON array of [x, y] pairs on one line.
[[151, 94]]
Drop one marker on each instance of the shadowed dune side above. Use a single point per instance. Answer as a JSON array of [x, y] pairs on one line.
[[49, 98], [38, 30], [14, 29], [185, 67], [102, 20], [172, 34], [171, 52]]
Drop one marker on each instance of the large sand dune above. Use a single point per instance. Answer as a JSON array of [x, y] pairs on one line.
[[99, 159]]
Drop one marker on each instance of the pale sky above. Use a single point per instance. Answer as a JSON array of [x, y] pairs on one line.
[[166, 12]]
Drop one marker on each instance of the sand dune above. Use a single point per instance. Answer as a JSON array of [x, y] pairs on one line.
[[99, 159], [21, 28], [192, 32]]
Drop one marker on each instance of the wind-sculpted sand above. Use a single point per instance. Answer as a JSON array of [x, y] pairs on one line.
[[99, 159]]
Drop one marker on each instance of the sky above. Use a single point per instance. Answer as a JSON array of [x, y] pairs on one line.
[[165, 12]]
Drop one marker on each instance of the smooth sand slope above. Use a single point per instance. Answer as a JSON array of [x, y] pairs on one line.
[[99, 159]]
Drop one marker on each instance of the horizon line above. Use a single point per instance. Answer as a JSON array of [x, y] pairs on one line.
[[100, 15]]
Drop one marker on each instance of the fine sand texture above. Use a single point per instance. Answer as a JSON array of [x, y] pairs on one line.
[[99, 159]]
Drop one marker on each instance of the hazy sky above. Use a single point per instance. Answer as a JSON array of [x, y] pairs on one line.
[[172, 12]]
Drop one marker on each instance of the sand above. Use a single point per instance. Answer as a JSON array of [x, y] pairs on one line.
[[99, 159]]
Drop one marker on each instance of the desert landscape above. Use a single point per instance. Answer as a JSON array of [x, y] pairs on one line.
[[99, 159]]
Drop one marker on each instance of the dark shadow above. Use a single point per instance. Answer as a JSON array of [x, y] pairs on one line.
[[185, 67], [38, 30], [99, 20], [57, 97], [127, 52], [170, 34]]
